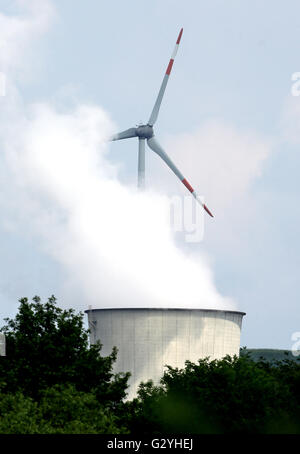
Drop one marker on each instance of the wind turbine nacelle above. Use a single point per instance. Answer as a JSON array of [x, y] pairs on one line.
[[144, 131]]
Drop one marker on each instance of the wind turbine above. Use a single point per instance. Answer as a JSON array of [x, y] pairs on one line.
[[145, 132]]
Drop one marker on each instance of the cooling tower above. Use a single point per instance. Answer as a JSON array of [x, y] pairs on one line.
[[2, 345], [148, 339]]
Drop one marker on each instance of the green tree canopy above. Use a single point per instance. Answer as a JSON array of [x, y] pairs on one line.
[[47, 346], [60, 410], [221, 396]]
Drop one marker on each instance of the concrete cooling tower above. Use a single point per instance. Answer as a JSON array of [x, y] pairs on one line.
[[148, 339]]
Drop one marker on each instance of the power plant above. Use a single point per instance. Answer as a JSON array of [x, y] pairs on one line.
[[149, 339]]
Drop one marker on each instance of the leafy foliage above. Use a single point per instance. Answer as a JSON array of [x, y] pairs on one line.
[[18, 414], [222, 396], [48, 346], [61, 410]]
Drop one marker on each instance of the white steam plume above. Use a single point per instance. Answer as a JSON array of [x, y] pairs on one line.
[[58, 186], [115, 243]]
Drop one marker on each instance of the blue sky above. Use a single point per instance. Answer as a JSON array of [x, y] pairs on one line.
[[230, 89]]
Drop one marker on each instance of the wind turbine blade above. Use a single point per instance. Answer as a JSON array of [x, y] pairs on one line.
[[161, 92], [154, 145], [125, 134]]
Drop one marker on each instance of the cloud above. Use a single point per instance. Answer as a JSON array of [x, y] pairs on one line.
[[18, 31], [220, 161], [290, 121]]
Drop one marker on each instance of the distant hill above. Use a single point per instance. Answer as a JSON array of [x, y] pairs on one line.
[[269, 354]]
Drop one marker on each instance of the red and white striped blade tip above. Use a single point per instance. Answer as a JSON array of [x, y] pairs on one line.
[[207, 210], [179, 36]]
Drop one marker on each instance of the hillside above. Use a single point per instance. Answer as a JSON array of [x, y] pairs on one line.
[[269, 354]]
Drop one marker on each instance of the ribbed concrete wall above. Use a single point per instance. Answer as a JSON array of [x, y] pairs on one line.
[[2, 345], [148, 339]]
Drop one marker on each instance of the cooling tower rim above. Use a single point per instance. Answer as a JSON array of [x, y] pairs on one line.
[[162, 309]]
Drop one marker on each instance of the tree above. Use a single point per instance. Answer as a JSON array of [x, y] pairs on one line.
[[221, 396], [48, 346], [60, 410]]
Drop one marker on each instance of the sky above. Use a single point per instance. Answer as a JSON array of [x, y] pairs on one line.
[[73, 223]]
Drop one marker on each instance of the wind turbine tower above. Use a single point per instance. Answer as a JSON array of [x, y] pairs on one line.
[[149, 338]]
